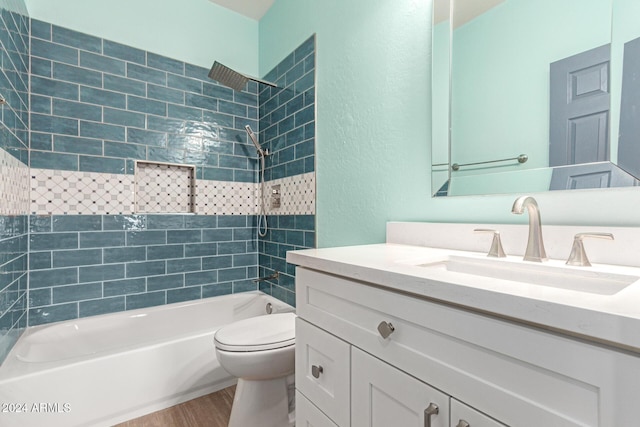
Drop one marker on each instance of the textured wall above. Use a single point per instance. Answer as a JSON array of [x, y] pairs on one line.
[[373, 136], [372, 69]]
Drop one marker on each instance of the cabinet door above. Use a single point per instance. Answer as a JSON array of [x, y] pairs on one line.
[[307, 415], [383, 396], [464, 416], [322, 370]]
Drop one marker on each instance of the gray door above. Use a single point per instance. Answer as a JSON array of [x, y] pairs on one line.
[[579, 108], [629, 138], [592, 175]]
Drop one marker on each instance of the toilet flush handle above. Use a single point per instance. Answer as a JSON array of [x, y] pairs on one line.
[[316, 370]]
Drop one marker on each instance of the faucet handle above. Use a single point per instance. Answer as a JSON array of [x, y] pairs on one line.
[[578, 255], [496, 250]]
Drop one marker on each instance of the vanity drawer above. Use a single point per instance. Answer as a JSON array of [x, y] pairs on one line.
[[323, 371], [463, 416], [307, 415], [520, 375]]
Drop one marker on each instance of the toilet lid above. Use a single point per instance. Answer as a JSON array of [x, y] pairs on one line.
[[257, 333]]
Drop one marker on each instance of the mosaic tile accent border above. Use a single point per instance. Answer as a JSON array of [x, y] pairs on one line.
[[226, 198], [58, 192], [14, 185], [298, 195], [165, 188]]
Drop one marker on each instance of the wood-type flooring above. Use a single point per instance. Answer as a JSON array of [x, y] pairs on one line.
[[211, 410]]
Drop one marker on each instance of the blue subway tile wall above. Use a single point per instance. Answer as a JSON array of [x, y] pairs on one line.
[[13, 280], [84, 265], [287, 114], [14, 121], [96, 105], [99, 103], [14, 84], [287, 129]]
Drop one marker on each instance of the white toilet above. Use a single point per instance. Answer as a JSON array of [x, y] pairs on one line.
[[260, 352]]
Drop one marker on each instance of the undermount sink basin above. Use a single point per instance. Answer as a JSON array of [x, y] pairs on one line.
[[581, 280]]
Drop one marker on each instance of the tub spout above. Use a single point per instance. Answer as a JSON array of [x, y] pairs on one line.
[[535, 246], [274, 276]]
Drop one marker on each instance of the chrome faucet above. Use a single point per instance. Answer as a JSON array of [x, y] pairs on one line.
[[535, 247]]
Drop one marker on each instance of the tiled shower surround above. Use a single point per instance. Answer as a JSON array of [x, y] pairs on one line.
[[14, 177], [287, 127], [83, 265], [96, 107]]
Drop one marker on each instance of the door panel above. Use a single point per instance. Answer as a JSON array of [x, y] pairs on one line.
[[629, 139], [579, 108], [383, 396], [593, 175]]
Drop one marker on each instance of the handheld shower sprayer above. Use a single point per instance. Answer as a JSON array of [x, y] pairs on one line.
[[253, 138], [262, 214]]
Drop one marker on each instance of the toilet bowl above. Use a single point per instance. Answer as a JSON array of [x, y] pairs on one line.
[[260, 352]]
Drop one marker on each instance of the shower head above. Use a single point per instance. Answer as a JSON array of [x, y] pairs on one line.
[[231, 78], [255, 141]]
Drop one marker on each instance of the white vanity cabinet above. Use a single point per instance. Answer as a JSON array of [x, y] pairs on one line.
[[383, 396], [356, 389], [308, 415], [478, 369], [464, 416], [323, 366]]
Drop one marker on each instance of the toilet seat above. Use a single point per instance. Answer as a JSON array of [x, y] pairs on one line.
[[257, 333]]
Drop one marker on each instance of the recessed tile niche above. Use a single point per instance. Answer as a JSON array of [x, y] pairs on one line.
[[164, 188]]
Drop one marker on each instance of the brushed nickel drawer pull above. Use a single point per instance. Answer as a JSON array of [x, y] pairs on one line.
[[316, 370], [385, 329], [432, 409], [463, 423]]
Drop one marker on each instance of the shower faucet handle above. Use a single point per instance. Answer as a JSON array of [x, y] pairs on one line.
[[496, 250]]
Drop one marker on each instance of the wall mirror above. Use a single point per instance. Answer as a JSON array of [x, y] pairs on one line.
[[535, 95]]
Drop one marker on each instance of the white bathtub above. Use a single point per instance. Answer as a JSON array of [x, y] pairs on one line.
[[107, 369]]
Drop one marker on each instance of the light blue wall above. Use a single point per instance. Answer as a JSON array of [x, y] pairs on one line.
[[194, 31], [374, 125], [373, 108], [440, 104], [500, 69], [17, 6], [373, 113]]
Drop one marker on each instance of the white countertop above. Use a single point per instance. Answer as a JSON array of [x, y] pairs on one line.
[[613, 319]]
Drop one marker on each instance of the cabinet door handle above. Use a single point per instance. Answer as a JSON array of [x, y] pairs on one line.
[[385, 329], [432, 409], [316, 370], [463, 423]]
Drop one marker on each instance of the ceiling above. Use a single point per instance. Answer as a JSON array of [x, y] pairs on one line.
[[254, 9], [463, 10]]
